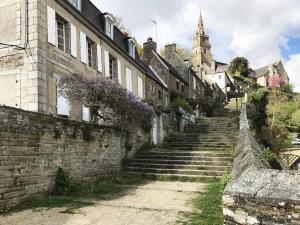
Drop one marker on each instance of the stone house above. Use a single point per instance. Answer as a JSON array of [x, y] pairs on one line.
[[195, 85], [224, 82], [44, 39], [175, 81], [157, 95], [262, 75]]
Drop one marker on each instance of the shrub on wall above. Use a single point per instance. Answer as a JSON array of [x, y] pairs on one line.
[[99, 92]]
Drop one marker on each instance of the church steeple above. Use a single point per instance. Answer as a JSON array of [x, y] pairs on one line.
[[202, 58], [200, 24]]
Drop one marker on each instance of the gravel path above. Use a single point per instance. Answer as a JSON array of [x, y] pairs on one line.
[[155, 203]]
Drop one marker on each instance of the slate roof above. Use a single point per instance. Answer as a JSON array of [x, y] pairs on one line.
[[260, 72], [221, 67], [97, 19]]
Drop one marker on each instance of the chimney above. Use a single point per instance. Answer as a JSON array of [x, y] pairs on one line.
[[171, 48], [148, 46]]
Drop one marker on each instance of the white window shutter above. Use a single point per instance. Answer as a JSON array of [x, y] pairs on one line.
[[62, 104], [51, 25], [106, 57], [99, 58], [85, 114], [73, 41], [128, 80], [140, 87], [83, 47], [119, 72]]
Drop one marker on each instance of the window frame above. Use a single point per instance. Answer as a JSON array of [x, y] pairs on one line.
[[90, 58], [109, 31], [160, 95], [177, 85], [60, 21], [131, 49]]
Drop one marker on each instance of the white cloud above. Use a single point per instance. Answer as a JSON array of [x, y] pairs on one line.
[[254, 29], [293, 69]]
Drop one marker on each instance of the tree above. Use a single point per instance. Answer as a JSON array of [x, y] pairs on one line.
[[239, 67], [120, 24]]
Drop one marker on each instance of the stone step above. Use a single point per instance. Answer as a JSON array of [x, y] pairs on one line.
[[176, 171], [179, 166], [198, 148], [183, 162], [200, 144], [185, 158], [185, 153], [178, 177]]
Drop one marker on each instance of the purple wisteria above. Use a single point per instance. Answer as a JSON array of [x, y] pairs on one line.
[[97, 92]]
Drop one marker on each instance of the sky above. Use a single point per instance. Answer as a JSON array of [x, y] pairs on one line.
[[264, 31]]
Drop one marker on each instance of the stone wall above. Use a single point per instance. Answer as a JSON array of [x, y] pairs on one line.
[[256, 193], [33, 146]]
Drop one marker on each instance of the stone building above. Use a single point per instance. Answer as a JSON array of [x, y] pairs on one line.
[[44, 39], [202, 58], [175, 80], [261, 75], [157, 95], [185, 68]]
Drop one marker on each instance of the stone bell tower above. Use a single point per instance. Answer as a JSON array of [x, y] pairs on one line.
[[202, 58]]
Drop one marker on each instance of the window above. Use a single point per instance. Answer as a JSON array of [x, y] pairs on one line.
[[131, 49], [76, 3], [153, 88], [112, 67], [90, 53], [109, 25], [61, 35], [91, 48], [177, 85], [159, 94], [85, 113], [109, 28], [204, 51]]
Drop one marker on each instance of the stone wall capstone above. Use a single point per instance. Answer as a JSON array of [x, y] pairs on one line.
[[34, 145], [257, 194]]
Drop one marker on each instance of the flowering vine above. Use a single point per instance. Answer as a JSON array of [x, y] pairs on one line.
[[98, 92]]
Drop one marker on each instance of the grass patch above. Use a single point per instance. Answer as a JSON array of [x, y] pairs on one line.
[[208, 208], [103, 189]]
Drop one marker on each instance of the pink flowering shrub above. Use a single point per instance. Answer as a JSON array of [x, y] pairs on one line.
[[275, 81], [98, 92]]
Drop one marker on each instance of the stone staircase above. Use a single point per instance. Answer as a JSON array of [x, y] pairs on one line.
[[202, 153]]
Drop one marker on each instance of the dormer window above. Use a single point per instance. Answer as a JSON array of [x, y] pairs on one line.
[[131, 47], [109, 25], [76, 4]]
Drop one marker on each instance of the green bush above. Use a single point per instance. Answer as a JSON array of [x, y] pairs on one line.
[[179, 102], [256, 109], [62, 183]]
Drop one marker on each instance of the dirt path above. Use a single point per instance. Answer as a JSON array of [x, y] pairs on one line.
[[155, 203]]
